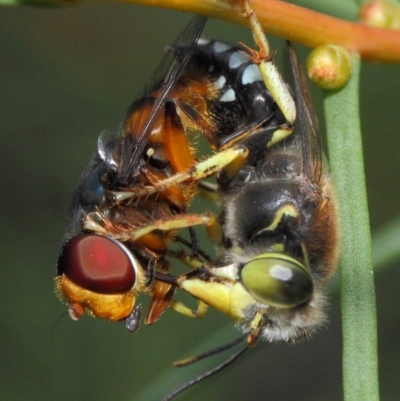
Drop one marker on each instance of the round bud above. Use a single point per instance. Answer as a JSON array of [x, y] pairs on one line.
[[380, 14], [329, 66], [99, 264], [277, 280]]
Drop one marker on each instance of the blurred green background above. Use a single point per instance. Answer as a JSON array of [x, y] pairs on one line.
[[65, 76]]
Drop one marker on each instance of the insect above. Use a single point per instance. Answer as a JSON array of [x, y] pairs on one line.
[[278, 245], [279, 222], [133, 197], [113, 246]]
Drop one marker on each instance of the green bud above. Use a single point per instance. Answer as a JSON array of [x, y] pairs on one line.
[[380, 14], [329, 66]]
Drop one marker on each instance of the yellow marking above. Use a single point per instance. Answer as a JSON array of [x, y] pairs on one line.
[[278, 248], [279, 135], [288, 210]]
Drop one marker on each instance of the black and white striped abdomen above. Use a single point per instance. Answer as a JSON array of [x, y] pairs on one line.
[[242, 97]]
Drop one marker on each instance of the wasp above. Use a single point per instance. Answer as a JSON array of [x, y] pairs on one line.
[[280, 244]]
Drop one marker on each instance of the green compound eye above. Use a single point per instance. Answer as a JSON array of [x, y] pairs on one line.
[[277, 280]]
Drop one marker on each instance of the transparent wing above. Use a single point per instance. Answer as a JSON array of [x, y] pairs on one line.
[[306, 124], [108, 150], [166, 76]]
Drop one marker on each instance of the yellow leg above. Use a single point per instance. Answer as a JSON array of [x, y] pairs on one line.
[[201, 170], [255, 326], [208, 220], [174, 223], [199, 313], [271, 76]]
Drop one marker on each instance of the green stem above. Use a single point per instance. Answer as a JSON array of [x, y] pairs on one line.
[[385, 244], [360, 358]]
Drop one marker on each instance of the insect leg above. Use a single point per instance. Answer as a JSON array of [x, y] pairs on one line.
[[199, 313], [163, 292], [162, 298], [201, 170], [191, 118], [255, 327], [175, 223], [271, 76]]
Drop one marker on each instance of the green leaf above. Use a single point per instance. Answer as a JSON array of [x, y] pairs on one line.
[[360, 357]]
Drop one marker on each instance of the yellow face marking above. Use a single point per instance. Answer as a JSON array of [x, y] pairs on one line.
[[278, 248]]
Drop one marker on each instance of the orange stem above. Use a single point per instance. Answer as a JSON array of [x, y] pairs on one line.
[[298, 24]]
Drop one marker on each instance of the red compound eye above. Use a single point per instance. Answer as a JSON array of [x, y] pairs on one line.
[[99, 264]]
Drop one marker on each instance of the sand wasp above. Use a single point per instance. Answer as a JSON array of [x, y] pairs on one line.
[[280, 241]]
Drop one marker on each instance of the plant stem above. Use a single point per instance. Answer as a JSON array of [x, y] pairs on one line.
[[360, 358], [298, 24]]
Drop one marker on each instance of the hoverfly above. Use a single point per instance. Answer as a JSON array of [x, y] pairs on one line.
[[279, 222], [112, 247]]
